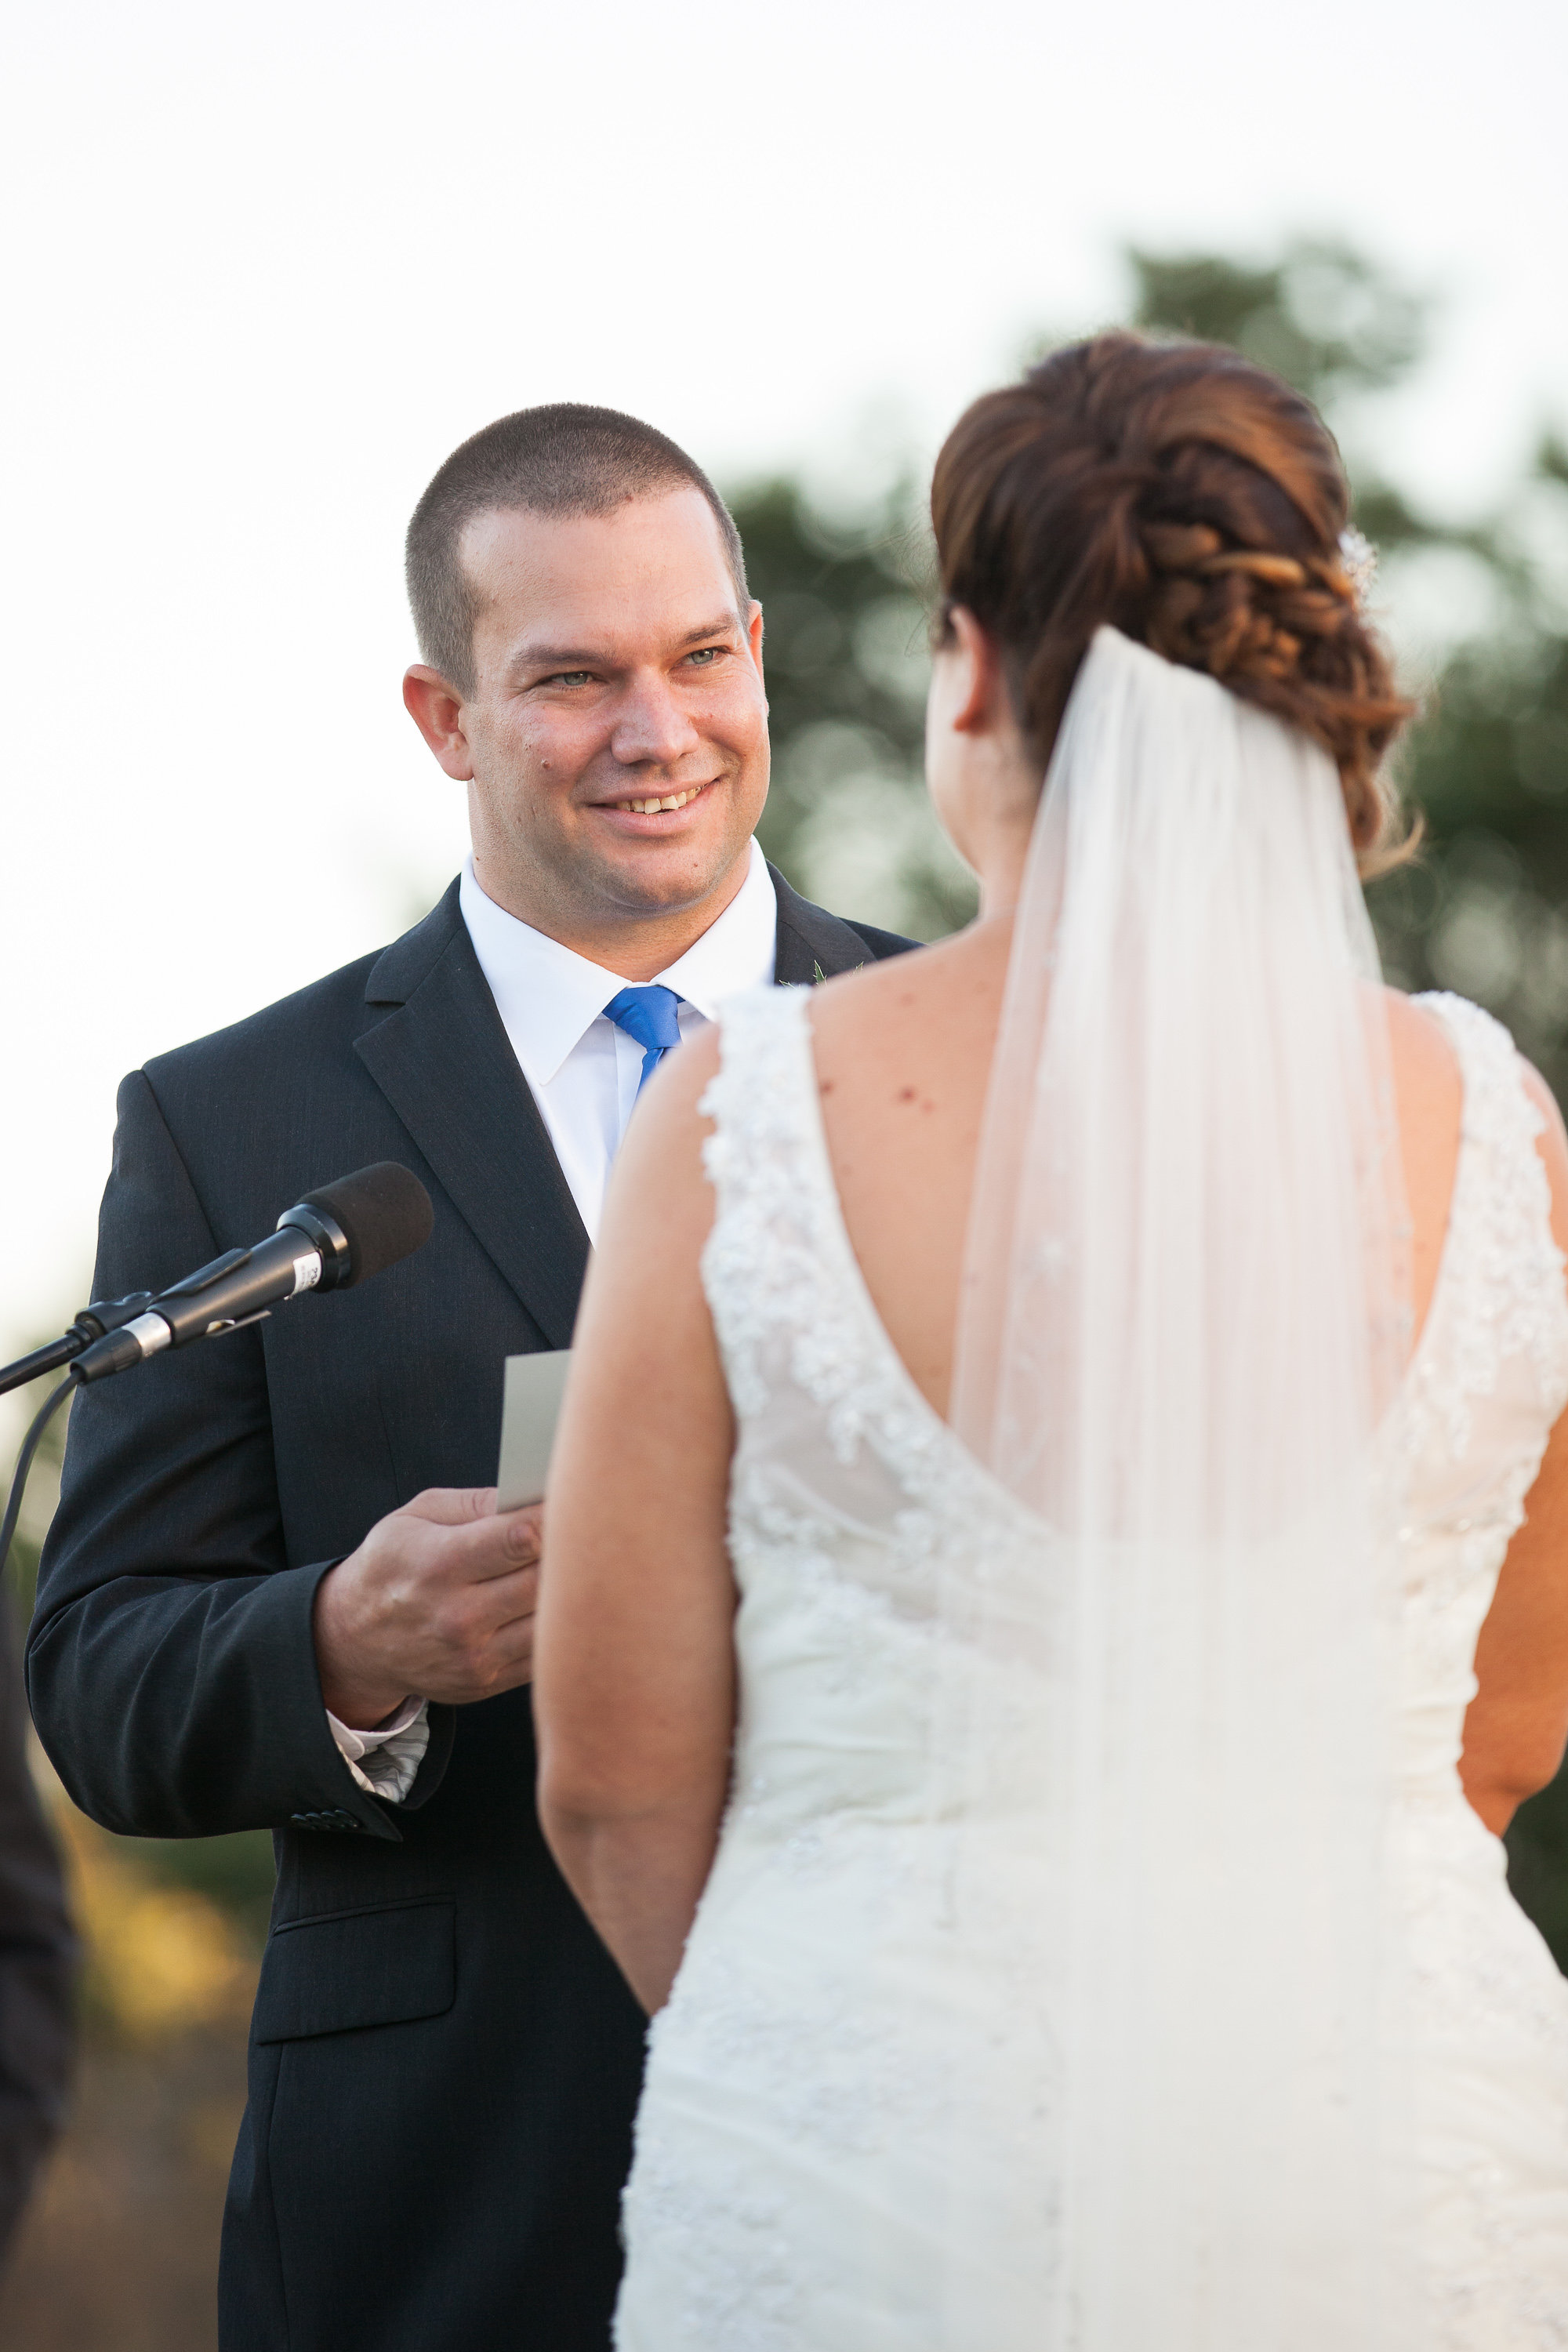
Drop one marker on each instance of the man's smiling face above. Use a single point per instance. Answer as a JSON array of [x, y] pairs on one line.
[[615, 741]]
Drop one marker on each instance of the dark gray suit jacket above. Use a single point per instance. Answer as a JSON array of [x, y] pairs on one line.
[[445, 2063]]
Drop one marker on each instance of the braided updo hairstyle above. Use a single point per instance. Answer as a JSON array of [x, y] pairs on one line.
[[1194, 502]]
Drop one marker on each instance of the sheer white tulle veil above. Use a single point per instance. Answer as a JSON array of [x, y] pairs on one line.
[[1184, 1322]]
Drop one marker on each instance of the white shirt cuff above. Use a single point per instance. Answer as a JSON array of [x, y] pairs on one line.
[[386, 1761]]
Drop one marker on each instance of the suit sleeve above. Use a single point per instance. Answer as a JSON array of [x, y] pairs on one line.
[[171, 1666]]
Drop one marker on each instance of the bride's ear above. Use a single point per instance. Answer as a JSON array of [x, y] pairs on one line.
[[976, 697]]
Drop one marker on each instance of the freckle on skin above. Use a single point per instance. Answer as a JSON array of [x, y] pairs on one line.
[[906, 1094]]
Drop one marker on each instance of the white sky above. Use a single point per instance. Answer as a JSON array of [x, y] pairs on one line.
[[265, 268]]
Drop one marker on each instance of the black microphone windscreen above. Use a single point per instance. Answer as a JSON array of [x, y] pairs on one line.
[[385, 1212]]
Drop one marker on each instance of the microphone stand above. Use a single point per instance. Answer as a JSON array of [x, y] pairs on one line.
[[103, 1315]]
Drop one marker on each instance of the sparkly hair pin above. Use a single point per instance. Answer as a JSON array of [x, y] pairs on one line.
[[1358, 558]]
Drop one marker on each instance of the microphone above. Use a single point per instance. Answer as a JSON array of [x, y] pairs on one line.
[[331, 1239]]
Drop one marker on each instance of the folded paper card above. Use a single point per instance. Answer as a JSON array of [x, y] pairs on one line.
[[530, 1409]]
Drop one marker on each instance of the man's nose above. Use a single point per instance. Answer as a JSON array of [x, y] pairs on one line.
[[652, 726]]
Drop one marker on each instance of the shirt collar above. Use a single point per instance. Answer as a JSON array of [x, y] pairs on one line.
[[548, 995]]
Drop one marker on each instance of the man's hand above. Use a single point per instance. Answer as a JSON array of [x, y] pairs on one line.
[[438, 1601]]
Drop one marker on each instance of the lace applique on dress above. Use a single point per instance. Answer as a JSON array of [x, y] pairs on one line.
[[738, 2266], [1500, 1286]]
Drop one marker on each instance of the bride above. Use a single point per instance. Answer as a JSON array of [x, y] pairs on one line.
[[1085, 1584]]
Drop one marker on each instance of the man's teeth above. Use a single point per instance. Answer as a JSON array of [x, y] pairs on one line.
[[670, 801]]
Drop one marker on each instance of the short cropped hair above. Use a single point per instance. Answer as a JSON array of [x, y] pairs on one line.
[[563, 459]]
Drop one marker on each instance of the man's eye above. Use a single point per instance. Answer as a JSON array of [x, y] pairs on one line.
[[570, 677], [706, 656]]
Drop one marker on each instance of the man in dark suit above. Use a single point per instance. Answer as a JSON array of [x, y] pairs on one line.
[[277, 1592]]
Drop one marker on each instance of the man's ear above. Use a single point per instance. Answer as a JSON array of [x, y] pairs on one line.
[[436, 710], [755, 634]]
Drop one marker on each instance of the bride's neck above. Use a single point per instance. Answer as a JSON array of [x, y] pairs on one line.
[[999, 862], [1000, 823]]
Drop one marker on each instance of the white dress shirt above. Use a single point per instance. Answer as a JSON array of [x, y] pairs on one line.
[[582, 1070], [584, 1073], [386, 1763]]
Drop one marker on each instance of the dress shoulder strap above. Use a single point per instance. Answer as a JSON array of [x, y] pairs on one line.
[[1501, 1286], [755, 1098], [767, 1268]]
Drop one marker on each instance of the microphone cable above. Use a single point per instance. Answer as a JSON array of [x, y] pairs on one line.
[[24, 1464]]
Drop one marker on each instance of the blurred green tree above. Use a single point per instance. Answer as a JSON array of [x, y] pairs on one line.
[[846, 617]]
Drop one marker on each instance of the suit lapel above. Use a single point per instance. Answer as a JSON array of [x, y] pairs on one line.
[[443, 1062], [812, 944]]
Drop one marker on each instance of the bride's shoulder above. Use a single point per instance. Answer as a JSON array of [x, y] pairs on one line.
[[1421, 1041], [922, 995]]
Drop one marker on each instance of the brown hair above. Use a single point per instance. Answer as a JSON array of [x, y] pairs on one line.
[[1191, 501], [566, 458]]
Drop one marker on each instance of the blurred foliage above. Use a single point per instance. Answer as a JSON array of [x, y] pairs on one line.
[[1482, 603], [162, 1956], [848, 662], [234, 1875], [1323, 316]]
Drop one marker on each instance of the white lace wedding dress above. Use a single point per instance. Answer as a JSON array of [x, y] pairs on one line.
[[789, 2191]]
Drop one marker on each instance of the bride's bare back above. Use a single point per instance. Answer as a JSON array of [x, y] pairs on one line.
[[903, 1052]]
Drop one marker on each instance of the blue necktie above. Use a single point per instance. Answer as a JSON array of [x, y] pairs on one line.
[[648, 1017]]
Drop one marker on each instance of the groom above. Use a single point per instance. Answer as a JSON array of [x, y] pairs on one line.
[[271, 1597]]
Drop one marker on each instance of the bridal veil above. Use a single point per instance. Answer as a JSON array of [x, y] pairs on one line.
[[1184, 1322]]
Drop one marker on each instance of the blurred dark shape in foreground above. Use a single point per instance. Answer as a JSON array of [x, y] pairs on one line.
[[1485, 911], [117, 2251], [37, 1958]]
